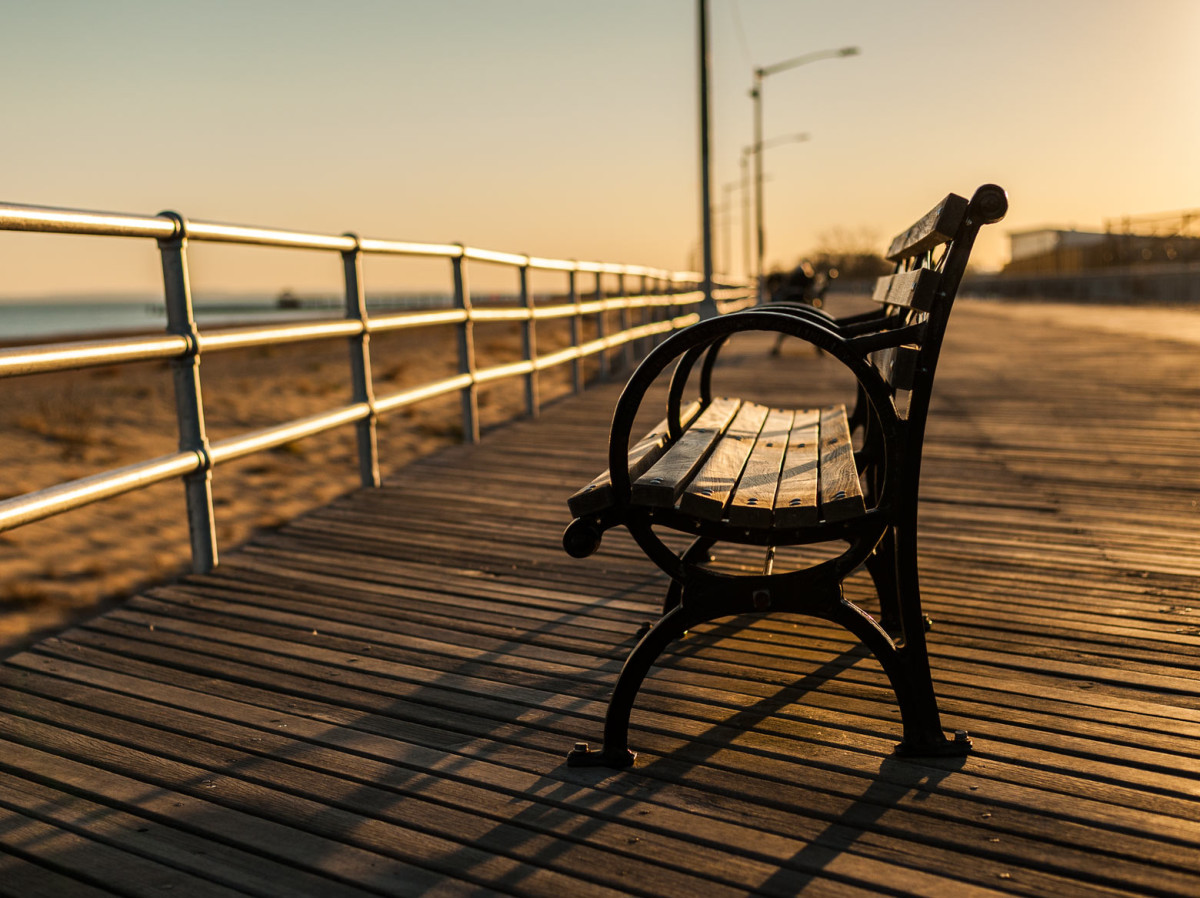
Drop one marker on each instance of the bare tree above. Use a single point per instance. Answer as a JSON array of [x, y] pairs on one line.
[[854, 252]]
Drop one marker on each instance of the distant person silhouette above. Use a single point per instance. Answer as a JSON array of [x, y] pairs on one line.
[[794, 287]]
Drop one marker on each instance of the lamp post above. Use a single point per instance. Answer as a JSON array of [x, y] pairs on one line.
[[756, 95], [708, 307]]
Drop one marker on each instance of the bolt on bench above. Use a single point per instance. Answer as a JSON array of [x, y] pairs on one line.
[[726, 470]]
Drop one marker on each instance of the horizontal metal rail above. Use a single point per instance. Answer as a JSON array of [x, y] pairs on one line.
[[62, 356], [273, 437], [66, 496], [165, 226], [420, 394], [662, 301]]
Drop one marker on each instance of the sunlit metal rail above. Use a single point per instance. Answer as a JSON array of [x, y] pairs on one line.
[[649, 303]]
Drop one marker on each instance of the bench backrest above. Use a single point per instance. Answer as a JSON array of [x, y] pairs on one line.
[[930, 259]]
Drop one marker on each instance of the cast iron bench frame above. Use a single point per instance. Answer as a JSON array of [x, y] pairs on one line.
[[892, 352]]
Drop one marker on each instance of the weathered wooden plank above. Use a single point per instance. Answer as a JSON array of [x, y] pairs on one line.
[[662, 484], [22, 878], [390, 752], [96, 864], [139, 833], [937, 226], [501, 795], [367, 817], [382, 644], [1138, 763], [897, 365], [840, 491], [753, 503], [598, 494], [707, 493], [1086, 837], [796, 500], [916, 289]]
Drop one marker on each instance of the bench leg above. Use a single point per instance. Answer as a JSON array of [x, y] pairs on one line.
[[615, 752], [881, 565], [694, 554], [908, 671]]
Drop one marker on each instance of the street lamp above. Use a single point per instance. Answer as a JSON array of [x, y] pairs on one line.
[[756, 95]]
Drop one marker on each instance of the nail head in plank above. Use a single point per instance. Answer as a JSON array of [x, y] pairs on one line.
[[598, 494], [670, 474], [708, 492], [796, 500], [840, 491], [753, 502]]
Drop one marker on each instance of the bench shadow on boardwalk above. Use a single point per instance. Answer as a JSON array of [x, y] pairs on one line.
[[379, 697]]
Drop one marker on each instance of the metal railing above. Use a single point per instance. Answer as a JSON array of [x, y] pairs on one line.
[[664, 302]]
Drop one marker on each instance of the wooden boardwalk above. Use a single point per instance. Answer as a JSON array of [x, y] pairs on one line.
[[378, 699]]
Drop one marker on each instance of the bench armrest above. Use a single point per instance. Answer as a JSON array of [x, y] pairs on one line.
[[700, 336], [860, 323]]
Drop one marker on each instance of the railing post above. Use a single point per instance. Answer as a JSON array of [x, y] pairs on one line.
[[668, 311], [626, 323], [649, 314], [671, 287], [466, 349], [532, 402], [361, 384], [576, 328], [601, 325], [189, 400]]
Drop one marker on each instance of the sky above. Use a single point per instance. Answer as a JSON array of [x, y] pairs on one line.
[[569, 129]]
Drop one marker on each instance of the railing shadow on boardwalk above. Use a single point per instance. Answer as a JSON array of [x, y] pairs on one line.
[[384, 787]]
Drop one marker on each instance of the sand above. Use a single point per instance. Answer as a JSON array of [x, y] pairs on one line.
[[62, 426]]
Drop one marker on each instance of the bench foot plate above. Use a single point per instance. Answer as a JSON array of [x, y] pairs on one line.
[[582, 755], [958, 747]]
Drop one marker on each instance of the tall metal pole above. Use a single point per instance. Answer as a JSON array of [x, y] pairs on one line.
[[708, 308], [756, 94], [745, 215]]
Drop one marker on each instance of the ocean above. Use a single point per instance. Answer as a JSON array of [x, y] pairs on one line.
[[26, 321]]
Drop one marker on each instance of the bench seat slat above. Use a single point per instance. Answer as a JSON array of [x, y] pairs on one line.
[[796, 499], [753, 502], [597, 495], [840, 491], [661, 485], [707, 493]]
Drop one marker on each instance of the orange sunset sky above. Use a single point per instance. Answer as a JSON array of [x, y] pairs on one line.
[[568, 129]]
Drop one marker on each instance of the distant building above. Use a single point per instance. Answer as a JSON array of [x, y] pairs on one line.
[[1146, 259], [1157, 240]]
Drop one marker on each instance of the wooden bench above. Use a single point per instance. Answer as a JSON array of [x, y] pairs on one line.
[[726, 471]]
